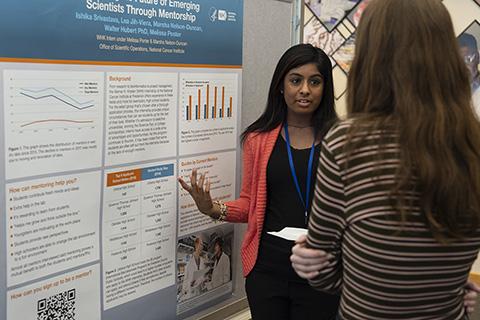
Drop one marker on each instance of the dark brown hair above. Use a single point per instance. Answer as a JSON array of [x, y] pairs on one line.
[[276, 109], [408, 75]]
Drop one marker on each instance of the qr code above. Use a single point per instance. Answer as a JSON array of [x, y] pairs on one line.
[[58, 307]]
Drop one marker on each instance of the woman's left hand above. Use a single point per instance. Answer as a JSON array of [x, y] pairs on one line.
[[470, 297], [308, 262]]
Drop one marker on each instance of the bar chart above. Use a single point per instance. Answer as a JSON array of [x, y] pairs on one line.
[[218, 108], [208, 115], [208, 99]]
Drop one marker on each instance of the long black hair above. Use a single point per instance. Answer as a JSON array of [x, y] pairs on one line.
[[276, 110]]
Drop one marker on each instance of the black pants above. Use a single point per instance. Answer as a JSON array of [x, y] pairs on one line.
[[274, 297]]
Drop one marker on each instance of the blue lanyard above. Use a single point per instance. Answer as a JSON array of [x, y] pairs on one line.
[[294, 174]]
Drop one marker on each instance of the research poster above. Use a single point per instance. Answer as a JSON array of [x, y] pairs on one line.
[[105, 104]]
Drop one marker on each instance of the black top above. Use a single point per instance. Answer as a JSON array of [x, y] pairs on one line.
[[284, 207]]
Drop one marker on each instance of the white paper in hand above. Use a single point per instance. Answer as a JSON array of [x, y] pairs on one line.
[[289, 233]]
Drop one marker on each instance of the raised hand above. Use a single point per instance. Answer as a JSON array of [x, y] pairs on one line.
[[199, 189]]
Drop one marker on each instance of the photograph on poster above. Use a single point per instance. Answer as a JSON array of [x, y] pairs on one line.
[[344, 55], [203, 263], [316, 34], [356, 13], [331, 12], [469, 41]]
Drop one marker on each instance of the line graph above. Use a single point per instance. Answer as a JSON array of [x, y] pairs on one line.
[[55, 120], [48, 100], [52, 120], [56, 94]]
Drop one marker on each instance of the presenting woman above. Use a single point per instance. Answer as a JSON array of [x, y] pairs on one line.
[[280, 156]]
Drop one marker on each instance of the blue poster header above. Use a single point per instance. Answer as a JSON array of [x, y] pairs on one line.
[[205, 32]]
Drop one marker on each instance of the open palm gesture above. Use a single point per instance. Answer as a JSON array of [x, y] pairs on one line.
[[199, 189]]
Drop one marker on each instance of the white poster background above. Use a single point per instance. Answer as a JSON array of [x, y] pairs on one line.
[[141, 116], [220, 169], [52, 225], [27, 302]]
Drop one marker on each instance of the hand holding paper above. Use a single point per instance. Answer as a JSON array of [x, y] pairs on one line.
[[308, 262]]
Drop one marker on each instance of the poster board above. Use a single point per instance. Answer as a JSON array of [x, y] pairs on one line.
[[331, 25], [105, 104]]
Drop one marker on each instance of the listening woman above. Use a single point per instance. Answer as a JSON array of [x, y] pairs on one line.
[[396, 209]]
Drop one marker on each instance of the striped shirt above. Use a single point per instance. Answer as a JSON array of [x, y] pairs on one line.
[[382, 271]]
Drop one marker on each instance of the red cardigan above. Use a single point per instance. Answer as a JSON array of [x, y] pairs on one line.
[[250, 207]]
